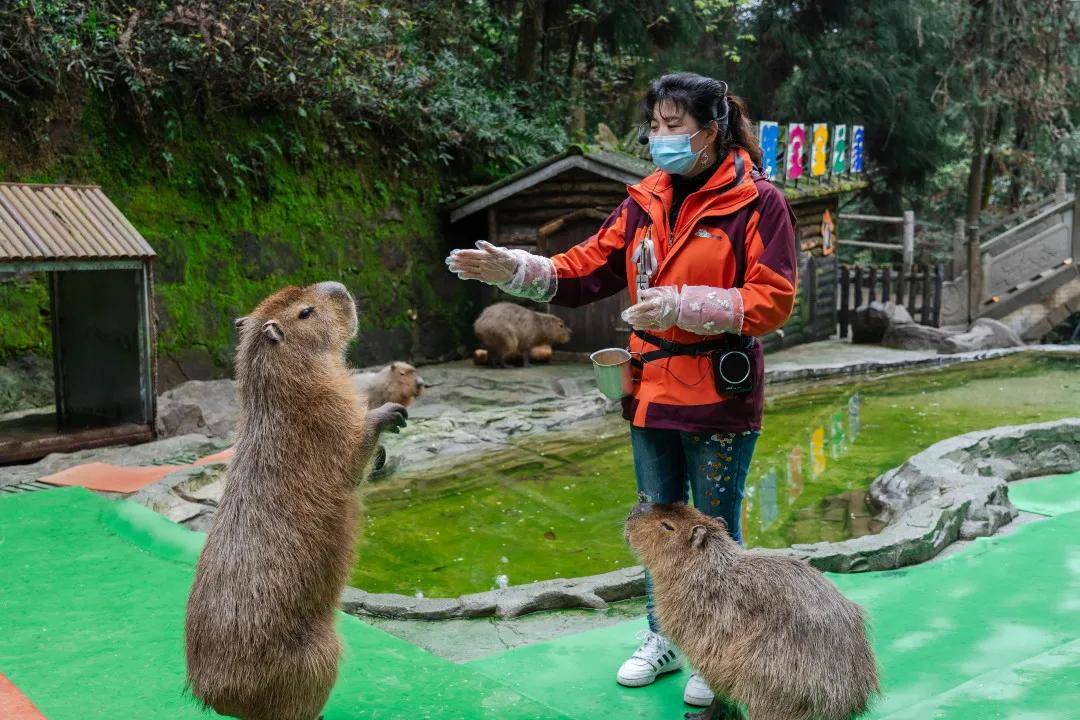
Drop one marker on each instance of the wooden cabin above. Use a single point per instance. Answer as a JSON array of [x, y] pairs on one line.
[[561, 201], [100, 277]]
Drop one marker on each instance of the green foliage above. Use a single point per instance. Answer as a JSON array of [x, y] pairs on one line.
[[270, 222], [354, 65], [24, 311]]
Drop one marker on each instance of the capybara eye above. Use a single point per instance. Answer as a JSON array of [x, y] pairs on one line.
[[666, 526], [306, 312]]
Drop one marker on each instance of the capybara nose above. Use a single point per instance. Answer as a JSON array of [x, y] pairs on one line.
[[332, 287]]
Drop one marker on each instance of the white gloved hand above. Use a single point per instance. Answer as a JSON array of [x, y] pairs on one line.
[[657, 308], [700, 309], [488, 263], [516, 272]]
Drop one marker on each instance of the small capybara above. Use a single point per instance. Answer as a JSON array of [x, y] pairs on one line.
[[506, 329], [398, 382], [766, 631], [260, 632]]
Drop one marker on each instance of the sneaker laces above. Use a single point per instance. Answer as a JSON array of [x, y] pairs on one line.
[[649, 640]]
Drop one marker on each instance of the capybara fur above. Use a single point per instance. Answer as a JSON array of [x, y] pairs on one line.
[[398, 382], [260, 637], [766, 631], [506, 329]]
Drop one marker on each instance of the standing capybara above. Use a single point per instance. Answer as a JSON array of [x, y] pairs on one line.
[[260, 632], [398, 382], [767, 631], [506, 329]]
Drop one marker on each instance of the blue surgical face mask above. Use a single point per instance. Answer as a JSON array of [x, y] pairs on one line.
[[672, 153]]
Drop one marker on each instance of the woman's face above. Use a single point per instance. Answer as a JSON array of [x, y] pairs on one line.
[[668, 119]]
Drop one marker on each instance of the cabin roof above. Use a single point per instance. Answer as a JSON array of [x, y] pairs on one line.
[[64, 222], [610, 164], [618, 166]]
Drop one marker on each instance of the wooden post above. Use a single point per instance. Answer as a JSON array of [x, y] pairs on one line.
[[1060, 188], [1076, 222], [909, 238], [872, 295], [858, 286], [885, 273], [959, 252], [974, 271], [924, 311], [845, 287], [912, 291], [937, 294]]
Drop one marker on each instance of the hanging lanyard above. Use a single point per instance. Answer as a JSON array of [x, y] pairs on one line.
[[645, 259]]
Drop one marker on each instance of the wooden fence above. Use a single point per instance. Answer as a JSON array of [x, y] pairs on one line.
[[918, 289]]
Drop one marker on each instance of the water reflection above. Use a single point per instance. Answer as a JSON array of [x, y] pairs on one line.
[[846, 514]]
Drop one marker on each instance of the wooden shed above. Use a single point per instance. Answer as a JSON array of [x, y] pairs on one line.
[[100, 278], [561, 201]]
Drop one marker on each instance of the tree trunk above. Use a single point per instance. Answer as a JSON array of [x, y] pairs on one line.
[[1020, 142], [571, 61], [529, 30], [984, 121], [990, 164]]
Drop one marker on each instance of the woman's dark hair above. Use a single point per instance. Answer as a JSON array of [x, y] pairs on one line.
[[705, 99]]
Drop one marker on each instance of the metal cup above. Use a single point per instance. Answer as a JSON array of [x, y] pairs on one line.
[[612, 369]]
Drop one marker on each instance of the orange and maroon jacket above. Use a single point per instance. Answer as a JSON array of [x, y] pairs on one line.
[[736, 231]]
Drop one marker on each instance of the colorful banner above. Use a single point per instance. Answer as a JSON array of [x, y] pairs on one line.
[[819, 151], [839, 149], [796, 142], [769, 137], [857, 138]]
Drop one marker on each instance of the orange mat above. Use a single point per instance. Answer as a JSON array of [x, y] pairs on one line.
[[110, 478], [223, 456], [106, 477], [14, 705]]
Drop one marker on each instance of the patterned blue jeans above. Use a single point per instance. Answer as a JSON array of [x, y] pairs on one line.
[[669, 463]]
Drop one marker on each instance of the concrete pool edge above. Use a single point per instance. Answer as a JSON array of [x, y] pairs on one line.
[[926, 359], [957, 489]]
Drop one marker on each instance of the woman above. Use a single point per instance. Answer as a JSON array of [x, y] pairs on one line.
[[706, 246]]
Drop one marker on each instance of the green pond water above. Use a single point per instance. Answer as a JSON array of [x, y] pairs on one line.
[[553, 506]]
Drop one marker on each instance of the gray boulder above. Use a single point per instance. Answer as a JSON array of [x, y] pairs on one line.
[[912, 336], [873, 320], [984, 334], [208, 407]]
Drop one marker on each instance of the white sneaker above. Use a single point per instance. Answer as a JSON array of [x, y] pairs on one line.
[[697, 692], [656, 656]]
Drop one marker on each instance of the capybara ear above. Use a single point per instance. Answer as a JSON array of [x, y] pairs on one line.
[[272, 331], [239, 322], [698, 533]]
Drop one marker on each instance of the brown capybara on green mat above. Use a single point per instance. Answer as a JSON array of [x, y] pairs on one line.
[[260, 632], [507, 330], [768, 632]]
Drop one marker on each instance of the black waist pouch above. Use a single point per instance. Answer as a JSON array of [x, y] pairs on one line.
[[734, 369]]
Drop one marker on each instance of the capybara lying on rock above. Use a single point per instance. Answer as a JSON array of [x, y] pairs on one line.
[[766, 631], [506, 329], [398, 382], [260, 632]]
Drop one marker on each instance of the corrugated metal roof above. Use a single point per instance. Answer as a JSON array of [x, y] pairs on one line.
[[64, 222]]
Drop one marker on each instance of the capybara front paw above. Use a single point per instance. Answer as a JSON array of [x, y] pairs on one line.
[[390, 417]]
